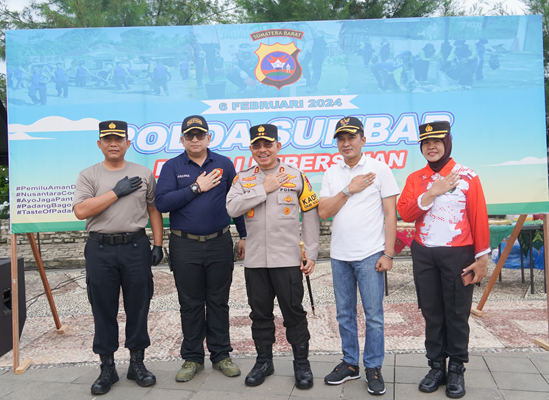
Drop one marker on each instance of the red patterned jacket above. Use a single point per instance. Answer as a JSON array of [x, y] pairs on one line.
[[456, 218]]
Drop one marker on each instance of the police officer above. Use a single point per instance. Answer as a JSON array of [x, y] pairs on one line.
[[118, 252], [270, 196], [61, 81], [161, 75], [39, 79]]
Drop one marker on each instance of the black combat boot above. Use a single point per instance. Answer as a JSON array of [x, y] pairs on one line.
[[263, 366], [435, 377], [108, 375], [302, 367], [455, 388], [137, 371]]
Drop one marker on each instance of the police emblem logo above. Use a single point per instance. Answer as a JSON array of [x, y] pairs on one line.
[[250, 213], [112, 125], [288, 199], [235, 179], [249, 185], [308, 183], [261, 131], [219, 172], [287, 211], [428, 128], [278, 65], [281, 169], [256, 170], [344, 121]]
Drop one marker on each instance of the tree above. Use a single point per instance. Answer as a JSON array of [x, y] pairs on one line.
[[314, 10]]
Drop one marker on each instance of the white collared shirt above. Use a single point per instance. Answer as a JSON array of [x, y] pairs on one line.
[[358, 229]]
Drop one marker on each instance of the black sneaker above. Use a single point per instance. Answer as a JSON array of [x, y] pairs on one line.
[[343, 372], [375, 381]]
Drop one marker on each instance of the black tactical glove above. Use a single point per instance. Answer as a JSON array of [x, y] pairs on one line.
[[126, 186], [156, 255]]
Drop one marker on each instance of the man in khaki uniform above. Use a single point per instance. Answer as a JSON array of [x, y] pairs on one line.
[[118, 253], [270, 196]]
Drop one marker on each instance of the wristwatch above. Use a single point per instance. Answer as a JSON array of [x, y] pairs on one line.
[[195, 188], [346, 191]]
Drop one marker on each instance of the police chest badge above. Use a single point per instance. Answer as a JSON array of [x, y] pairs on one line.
[[289, 184], [219, 172], [278, 65]]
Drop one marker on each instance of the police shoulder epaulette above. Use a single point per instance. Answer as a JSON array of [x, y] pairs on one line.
[[247, 169]]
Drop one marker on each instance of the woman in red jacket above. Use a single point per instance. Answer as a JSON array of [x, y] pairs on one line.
[[446, 202]]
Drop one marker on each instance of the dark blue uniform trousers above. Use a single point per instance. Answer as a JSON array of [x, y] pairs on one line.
[[109, 267], [203, 273]]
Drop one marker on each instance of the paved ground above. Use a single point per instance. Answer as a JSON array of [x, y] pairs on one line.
[[490, 376], [505, 362]]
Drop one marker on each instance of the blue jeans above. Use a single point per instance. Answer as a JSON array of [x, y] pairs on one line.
[[346, 276]]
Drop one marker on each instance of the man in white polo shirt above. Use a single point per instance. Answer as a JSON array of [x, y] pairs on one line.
[[360, 194]]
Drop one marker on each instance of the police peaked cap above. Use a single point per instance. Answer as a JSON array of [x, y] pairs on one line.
[[194, 122], [264, 131], [349, 125], [118, 128], [434, 130]]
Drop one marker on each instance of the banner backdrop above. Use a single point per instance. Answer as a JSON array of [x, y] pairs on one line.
[[482, 74]]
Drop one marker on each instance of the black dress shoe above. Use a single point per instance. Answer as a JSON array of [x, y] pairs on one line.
[[137, 371], [261, 369], [108, 375], [455, 388], [435, 377]]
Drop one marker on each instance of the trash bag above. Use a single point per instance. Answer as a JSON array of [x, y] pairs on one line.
[[494, 61], [513, 260]]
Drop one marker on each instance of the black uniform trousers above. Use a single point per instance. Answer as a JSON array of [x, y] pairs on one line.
[[445, 303], [109, 267], [203, 273], [286, 283]]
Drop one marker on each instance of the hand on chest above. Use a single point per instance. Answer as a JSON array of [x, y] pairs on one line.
[[187, 177]]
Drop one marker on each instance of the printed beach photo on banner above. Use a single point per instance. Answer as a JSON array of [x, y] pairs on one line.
[[484, 75]]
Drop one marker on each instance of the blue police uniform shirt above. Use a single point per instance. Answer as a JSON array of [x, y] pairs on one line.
[[60, 75], [119, 71], [201, 214], [160, 70], [38, 80]]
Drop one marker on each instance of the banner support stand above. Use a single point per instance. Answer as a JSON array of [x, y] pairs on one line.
[[21, 368], [542, 342], [17, 368], [40, 265], [503, 257]]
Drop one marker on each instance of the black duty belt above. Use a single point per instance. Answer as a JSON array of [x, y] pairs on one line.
[[117, 238], [200, 238]]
